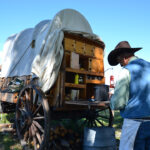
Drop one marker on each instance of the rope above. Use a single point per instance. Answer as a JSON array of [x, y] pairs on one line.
[[20, 58]]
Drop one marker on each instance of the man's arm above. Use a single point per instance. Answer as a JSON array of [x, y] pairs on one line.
[[121, 94]]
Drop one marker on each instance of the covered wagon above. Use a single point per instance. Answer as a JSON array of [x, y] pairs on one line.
[[51, 72]]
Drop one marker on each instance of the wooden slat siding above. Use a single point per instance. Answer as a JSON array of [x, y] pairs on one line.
[[84, 40], [72, 85], [84, 49], [98, 53], [102, 81], [62, 81], [68, 58], [69, 44], [82, 105], [9, 97], [1, 82], [83, 55], [5, 81], [89, 50], [84, 72], [86, 103], [79, 47], [55, 100], [96, 65]]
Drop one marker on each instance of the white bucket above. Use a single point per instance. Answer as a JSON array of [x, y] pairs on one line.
[[99, 138]]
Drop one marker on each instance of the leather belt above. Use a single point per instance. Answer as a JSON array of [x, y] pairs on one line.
[[142, 119], [145, 118]]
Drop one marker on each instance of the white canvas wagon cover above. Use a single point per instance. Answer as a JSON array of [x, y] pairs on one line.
[[39, 51]]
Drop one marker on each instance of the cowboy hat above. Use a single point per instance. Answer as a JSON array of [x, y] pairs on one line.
[[122, 47]]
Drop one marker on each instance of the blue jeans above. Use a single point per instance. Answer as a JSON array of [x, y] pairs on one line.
[[142, 140]]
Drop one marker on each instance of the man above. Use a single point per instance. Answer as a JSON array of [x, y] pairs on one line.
[[132, 97]]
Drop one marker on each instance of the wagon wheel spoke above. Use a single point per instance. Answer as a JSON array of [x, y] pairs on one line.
[[99, 117], [34, 138], [32, 118], [21, 122], [100, 122], [38, 126], [31, 97], [37, 134], [102, 116], [25, 103], [30, 134], [100, 110], [26, 135], [39, 118], [37, 109], [91, 123], [23, 128], [94, 124], [35, 102]]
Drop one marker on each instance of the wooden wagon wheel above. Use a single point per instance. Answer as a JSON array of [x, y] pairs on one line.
[[33, 118], [99, 117]]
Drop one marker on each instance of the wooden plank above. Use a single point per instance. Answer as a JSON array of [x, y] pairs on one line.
[[62, 81], [55, 100], [80, 47], [79, 37], [98, 53], [72, 85], [84, 72], [67, 58], [96, 65], [87, 103], [69, 44], [96, 81], [89, 50], [9, 97], [84, 55]]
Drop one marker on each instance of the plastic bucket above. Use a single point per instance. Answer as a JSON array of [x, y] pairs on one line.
[[99, 138], [101, 92]]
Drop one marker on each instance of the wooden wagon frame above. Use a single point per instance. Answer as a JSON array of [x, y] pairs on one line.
[[34, 109]]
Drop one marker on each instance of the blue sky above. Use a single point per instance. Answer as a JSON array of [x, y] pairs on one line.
[[112, 20]]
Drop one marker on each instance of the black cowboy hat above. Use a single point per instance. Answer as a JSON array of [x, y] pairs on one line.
[[122, 47]]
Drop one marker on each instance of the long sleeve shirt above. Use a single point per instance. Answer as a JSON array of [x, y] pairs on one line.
[[121, 94]]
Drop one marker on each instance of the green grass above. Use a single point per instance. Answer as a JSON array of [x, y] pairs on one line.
[[6, 118], [8, 142], [118, 120]]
